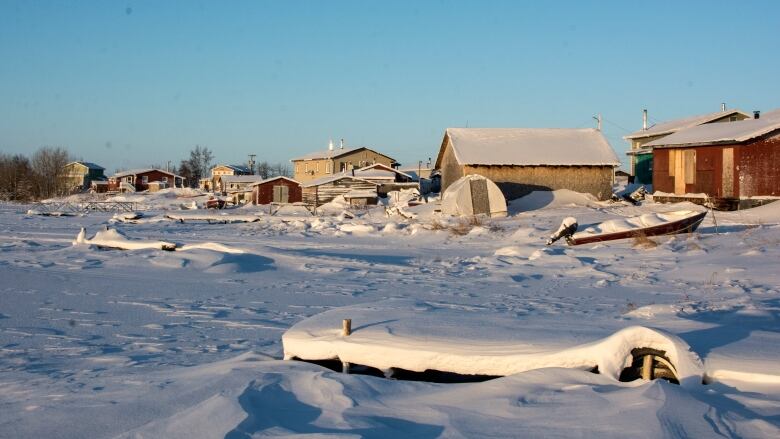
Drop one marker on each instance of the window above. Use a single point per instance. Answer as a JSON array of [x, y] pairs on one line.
[[144, 179], [165, 179], [329, 168]]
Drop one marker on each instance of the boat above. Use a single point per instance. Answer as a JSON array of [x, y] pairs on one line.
[[649, 224]]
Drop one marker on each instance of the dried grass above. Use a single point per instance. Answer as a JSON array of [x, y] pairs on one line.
[[642, 241]]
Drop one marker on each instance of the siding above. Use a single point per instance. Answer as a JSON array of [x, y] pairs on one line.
[[517, 181], [264, 193], [324, 193]]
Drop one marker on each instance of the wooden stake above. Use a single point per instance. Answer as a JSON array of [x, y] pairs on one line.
[[346, 327], [647, 367]]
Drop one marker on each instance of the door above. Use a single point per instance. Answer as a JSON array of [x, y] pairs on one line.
[[479, 197], [727, 189], [281, 194]]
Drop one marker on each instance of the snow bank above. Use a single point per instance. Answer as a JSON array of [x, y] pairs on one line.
[[112, 238], [549, 199], [213, 217], [416, 336]]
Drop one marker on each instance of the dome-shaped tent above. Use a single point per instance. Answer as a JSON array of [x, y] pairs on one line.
[[473, 195]]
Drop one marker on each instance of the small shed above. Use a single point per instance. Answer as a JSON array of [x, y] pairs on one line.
[[324, 190], [473, 195], [277, 190], [387, 178], [155, 186], [523, 160]]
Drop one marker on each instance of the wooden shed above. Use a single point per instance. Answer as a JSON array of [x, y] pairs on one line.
[[276, 190], [324, 190], [523, 160], [735, 164]]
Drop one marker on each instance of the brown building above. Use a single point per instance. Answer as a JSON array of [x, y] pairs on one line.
[[523, 160], [726, 162], [277, 190], [214, 183], [334, 161], [138, 180]]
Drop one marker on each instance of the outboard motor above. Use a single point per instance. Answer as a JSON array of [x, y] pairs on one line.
[[566, 230]]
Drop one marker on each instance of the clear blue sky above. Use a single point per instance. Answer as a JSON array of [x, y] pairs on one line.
[[134, 83]]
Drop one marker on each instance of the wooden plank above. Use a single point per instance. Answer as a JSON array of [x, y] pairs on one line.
[[689, 158], [727, 189], [679, 172]]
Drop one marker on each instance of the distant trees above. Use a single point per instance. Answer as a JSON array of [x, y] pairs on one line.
[[23, 179], [267, 170], [197, 166]]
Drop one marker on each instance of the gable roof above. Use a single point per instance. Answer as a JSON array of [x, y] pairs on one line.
[[241, 178], [675, 125], [278, 177], [237, 168], [88, 165], [335, 177], [529, 147], [142, 171], [379, 170], [334, 154], [722, 133]]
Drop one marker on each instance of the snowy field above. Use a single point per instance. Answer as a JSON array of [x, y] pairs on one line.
[[148, 343]]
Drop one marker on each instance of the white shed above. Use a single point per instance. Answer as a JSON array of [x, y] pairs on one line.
[[473, 195]]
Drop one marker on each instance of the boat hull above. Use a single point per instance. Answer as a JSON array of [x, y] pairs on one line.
[[683, 225]]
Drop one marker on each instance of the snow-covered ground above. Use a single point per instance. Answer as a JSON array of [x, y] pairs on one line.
[[149, 343]]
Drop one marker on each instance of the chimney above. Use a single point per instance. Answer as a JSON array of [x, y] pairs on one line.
[[644, 119], [330, 145], [756, 114], [723, 106], [341, 145]]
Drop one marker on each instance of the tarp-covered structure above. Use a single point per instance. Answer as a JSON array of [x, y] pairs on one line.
[[473, 195]]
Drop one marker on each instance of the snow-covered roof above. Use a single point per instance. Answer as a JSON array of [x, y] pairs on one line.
[[379, 170], [279, 177], [88, 165], [241, 178], [331, 178], [338, 152], [675, 125], [530, 147], [360, 194], [722, 133], [237, 168]]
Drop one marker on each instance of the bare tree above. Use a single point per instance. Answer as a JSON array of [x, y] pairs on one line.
[[47, 166], [199, 164], [15, 178]]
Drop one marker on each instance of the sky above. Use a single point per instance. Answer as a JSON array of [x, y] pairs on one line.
[[136, 83]]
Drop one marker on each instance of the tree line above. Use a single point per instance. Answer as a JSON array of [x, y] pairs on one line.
[[33, 178], [200, 162]]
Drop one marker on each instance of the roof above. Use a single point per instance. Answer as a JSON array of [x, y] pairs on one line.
[[142, 171], [530, 147], [237, 168], [335, 177], [335, 153], [241, 178], [722, 133], [379, 170], [672, 126], [279, 177], [88, 165]]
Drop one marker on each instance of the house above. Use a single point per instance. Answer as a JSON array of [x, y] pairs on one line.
[[213, 183], [238, 187], [334, 161], [387, 178], [138, 180], [735, 164], [325, 189], [641, 155], [78, 176], [277, 190], [523, 160]]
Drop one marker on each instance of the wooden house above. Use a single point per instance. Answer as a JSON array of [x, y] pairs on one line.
[[387, 178], [78, 176], [324, 190], [277, 190], [641, 154], [523, 160], [735, 164], [335, 161], [138, 180], [238, 187], [214, 183]]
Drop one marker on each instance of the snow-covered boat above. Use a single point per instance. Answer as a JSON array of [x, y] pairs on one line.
[[649, 224]]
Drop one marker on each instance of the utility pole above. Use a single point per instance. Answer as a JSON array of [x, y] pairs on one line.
[[598, 119], [251, 163], [168, 166]]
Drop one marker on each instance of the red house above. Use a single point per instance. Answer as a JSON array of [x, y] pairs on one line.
[[138, 180], [735, 164], [276, 190]]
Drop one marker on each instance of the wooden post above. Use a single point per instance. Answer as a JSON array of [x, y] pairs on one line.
[[647, 367], [346, 327]]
